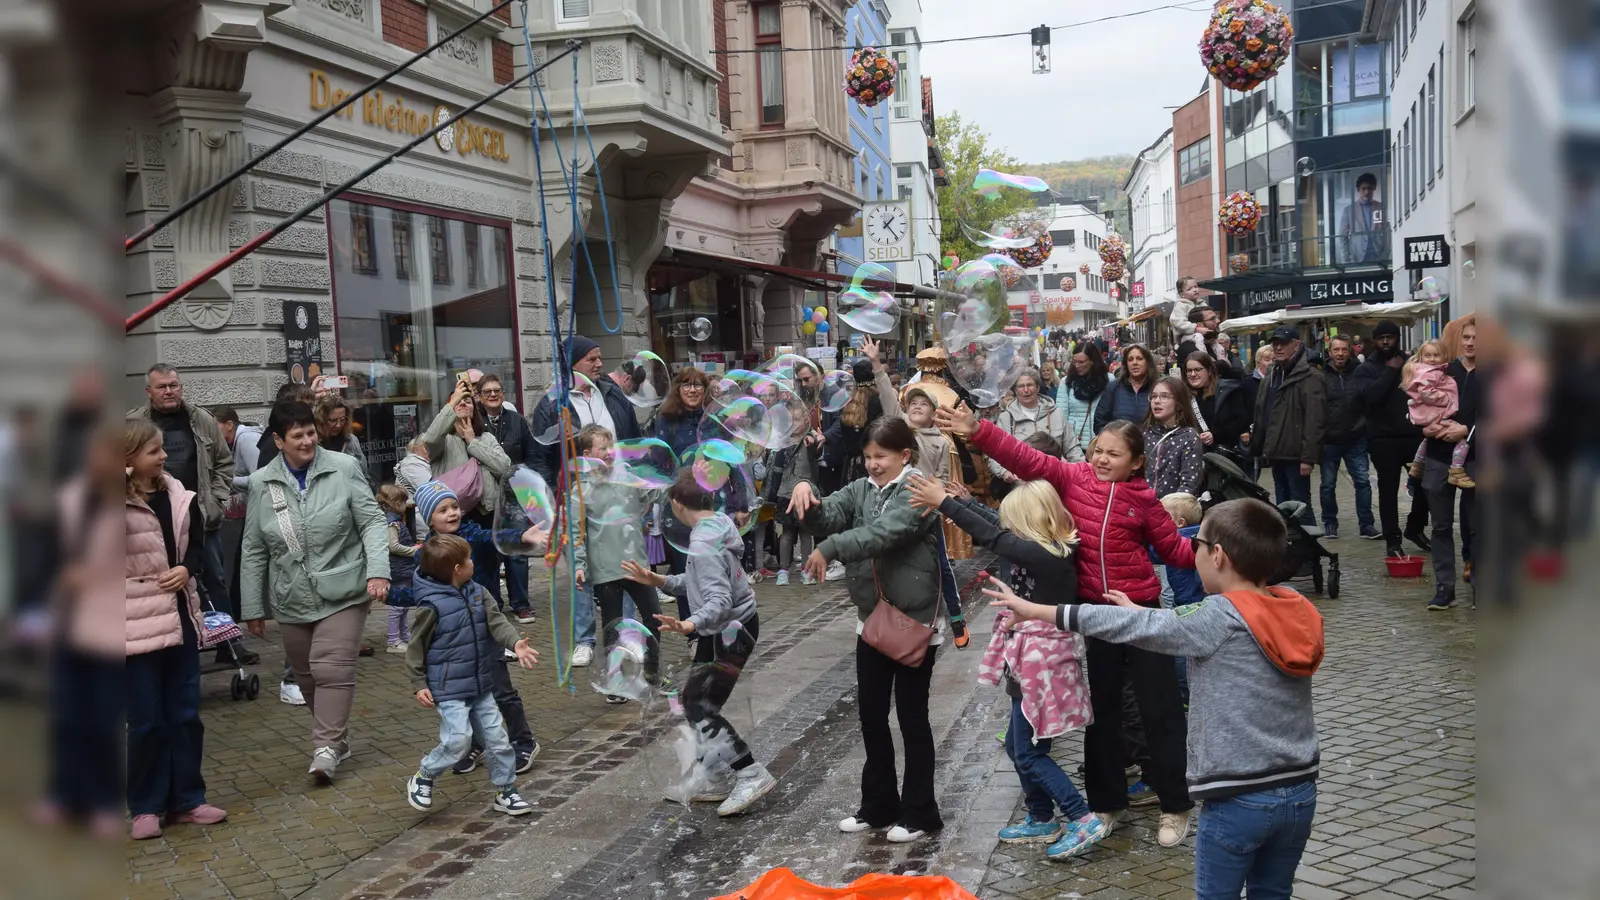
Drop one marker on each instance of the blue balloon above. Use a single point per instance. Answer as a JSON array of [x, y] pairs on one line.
[[805, 312], [822, 327]]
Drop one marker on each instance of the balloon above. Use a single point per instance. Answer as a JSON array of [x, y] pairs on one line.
[[822, 327], [808, 328], [805, 312], [822, 313]]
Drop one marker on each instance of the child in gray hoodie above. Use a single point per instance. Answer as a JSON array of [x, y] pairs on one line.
[[1252, 650], [722, 611]]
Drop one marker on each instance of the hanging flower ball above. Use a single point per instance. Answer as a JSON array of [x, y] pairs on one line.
[[869, 76], [949, 262], [1083, 269], [1245, 42], [1034, 254], [1239, 213], [1239, 262], [1011, 275], [1113, 271], [1113, 249]]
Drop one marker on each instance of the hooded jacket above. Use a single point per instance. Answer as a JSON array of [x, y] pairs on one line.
[[1347, 414], [456, 640], [882, 541], [714, 581], [1116, 520], [1020, 422], [1251, 657], [935, 451], [1290, 423], [612, 516]]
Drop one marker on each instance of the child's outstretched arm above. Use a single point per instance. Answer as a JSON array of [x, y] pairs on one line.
[[826, 515], [1005, 450], [896, 527], [1197, 632]]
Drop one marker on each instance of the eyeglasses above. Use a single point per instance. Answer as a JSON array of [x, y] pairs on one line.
[[493, 392], [692, 387], [1195, 371], [1197, 541]]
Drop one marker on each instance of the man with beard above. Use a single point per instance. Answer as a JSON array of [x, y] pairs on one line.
[[1391, 438]]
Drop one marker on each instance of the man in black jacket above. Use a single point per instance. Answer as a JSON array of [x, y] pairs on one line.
[[595, 400], [511, 430], [1391, 438], [1346, 440], [1290, 421], [1436, 473]]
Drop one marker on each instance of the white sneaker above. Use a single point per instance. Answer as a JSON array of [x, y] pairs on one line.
[[398, 647], [1112, 819], [324, 763], [290, 694], [835, 571], [853, 825], [1174, 828], [806, 578], [582, 655], [713, 787], [749, 785], [783, 578], [902, 835]]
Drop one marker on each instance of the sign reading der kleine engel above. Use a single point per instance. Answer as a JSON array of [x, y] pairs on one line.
[[392, 114]]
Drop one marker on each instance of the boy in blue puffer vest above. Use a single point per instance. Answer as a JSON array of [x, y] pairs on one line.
[[453, 658]]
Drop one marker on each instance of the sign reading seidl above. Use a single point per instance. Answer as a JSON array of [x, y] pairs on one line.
[[392, 114]]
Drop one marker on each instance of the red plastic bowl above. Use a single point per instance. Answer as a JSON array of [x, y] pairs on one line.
[[1404, 566]]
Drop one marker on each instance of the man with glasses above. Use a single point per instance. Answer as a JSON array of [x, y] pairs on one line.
[[595, 400], [511, 430]]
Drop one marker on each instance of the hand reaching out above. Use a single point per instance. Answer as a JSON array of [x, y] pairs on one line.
[[869, 349], [673, 624], [1120, 599], [803, 499], [816, 566], [958, 490], [959, 421], [527, 657], [926, 493], [1005, 598], [635, 572]]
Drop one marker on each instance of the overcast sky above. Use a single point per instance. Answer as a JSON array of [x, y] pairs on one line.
[[1108, 83]]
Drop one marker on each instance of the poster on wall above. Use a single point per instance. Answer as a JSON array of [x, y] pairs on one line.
[[405, 423], [302, 340]]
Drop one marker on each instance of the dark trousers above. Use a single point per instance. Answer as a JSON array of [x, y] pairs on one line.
[[1441, 506], [708, 688], [517, 583], [677, 564], [231, 538], [86, 703], [165, 736], [1390, 456], [509, 702], [213, 571], [1155, 685], [880, 680], [646, 601], [486, 563], [1289, 484]]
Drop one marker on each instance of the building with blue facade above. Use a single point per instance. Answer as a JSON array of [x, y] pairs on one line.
[[866, 25]]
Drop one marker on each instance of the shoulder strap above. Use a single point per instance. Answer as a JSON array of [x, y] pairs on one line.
[[280, 509]]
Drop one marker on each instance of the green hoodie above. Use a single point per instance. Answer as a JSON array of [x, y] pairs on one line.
[[881, 540]]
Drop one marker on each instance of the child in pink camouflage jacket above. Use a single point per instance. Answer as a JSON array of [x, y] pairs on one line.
[[1434, 399]]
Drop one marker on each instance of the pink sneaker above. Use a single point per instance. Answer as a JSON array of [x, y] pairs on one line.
[[146, 827], [204, 814]]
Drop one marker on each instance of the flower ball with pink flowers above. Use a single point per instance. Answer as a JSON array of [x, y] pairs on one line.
[[1034, 254], [869, 76], [1239, 213], [1245, 42]]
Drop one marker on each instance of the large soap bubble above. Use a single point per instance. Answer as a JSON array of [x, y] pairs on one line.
[[707, 725], [976, 205], [525, 502], [649, 380], [868, 305], [720, 469], [976, 299], [552, 433], [628, 667], [987, 366], [644, 463], [700, 328], [837, 386]]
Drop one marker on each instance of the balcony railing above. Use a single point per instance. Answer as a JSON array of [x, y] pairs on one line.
[[1343, 250]]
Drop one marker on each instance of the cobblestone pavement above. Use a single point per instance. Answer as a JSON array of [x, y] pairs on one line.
[[1395, 706]]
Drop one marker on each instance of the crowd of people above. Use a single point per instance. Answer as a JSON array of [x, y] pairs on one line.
[[1129, 607]]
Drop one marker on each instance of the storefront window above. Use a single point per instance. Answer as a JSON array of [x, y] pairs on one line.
[[1346, 211], [407, 322], [682, 295]]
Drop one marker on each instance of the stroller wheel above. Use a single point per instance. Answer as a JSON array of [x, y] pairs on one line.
[[252, 688], [1333, 582], [1316, 575], [236, 686]]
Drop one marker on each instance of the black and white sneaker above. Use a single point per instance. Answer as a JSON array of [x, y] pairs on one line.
[[511, 803], [525, 758], [419, 792], [468, 762]]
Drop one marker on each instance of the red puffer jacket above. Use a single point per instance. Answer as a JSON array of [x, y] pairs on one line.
[[1115, 520]]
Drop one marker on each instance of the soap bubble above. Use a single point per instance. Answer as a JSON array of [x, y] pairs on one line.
[[650, 377], [706, 726], [647, 464], [735, 384], [525, 501], [1017, 230], [700, 328], [1428, 287], [625, 668], [552, 433], [987, 366], [719, 468], [837, 386], [977, 299]]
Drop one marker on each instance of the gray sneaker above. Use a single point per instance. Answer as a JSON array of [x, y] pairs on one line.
[[714, 788], [749, 785], [325, 762]]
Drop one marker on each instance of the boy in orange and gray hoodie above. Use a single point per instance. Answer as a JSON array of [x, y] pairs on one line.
[[1252, 734]]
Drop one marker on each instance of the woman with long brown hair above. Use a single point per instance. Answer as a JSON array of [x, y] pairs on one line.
[[1219, 402], [678, 422], [1128, 397]]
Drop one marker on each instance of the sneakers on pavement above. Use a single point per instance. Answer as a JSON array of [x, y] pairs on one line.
[[616, 699], [419, 791], [903, 835], [325, 762], [1030, 832], [525, 758], [1443, 598], [835, 571], [1141, 795], [782, 578], [1111, 819], [1174, 828], [749, 785], [806, 579], [1080, 837], [398, 647], [958, 630], [145, 827], [204, 814], [853, 825], [1370, 534], [524, 616], [290, 694], [582, 655], [511, 803], [469, 762], [714, 789], [1330, 532]]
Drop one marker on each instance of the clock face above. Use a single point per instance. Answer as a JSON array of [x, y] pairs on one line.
[[886, 224], [446, 138]]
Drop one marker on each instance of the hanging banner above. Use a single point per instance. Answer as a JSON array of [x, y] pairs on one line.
[[302, 340]]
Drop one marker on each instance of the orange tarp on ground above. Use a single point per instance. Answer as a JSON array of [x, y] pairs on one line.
[[783, 884]]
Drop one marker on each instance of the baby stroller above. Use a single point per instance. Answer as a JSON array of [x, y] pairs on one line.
[[1226, 481], [217, 629]]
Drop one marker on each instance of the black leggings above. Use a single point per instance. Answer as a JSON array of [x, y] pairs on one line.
[[1155, 686], [609, 596], [717, 667]]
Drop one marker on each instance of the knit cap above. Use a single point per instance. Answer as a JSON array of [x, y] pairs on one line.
[[429, 496]]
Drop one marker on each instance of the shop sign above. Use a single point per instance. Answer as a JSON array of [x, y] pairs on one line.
[[1138, 289], [1342, 291], [1267, 297], [302, 341], [390, 113], [1430, 251]]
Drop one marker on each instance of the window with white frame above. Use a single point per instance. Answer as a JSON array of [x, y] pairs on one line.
[[1168, 214], [769, 62], [1467, 38], [1433, 133], [572, 12]]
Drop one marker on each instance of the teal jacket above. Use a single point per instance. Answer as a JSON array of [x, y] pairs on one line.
[[875, 531], [336, 539]]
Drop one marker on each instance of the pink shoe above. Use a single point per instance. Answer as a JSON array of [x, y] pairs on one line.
[[146, 827], [204, 814], [106, 825]]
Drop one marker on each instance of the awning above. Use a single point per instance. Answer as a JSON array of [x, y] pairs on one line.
[[816, 280], [1406, 311]]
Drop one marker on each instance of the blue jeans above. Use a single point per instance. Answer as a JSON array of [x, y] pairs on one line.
[[583, 615], [1255, 840], [456, 718], [1289, 484], [1354, 454], [947, 577], [1044, 785], [165, 735]]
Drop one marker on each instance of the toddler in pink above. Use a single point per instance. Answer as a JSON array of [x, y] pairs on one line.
[[1434, 399]]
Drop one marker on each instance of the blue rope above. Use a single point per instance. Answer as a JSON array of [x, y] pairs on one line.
[[605, 213]]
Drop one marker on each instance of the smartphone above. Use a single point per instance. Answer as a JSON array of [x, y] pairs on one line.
[[336, 382]]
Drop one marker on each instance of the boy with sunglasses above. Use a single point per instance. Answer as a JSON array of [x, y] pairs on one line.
[[1252, 650]]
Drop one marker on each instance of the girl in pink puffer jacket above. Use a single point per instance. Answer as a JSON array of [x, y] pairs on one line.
[[1434, 399]]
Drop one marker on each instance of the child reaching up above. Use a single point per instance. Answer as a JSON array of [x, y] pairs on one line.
[[1042, 666], [722, 611], [890, 556], [1434, 399], [403, 549], [454, 663], [1252, 756]]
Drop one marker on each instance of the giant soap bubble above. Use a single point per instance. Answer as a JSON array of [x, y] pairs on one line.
[[976, 298], [976, 202], [720, 469], [867, 306], [650, 380], [525, 502], [707, 725], [628, 667], [987, 366]]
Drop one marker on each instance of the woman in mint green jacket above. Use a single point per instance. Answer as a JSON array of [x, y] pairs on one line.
[[315, 555]]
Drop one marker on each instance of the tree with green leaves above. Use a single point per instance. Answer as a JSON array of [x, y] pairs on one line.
[[965, 148]]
